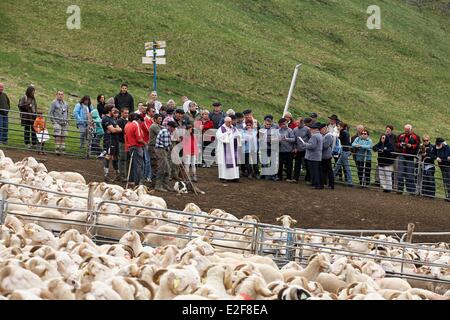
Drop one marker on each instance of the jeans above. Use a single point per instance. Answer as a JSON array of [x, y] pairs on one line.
[[343, 161], [364, 172], [428, 182], [147, 164], [406, 172], [29, 134], [83, 135], [95, 144], [136, 164], [3, 128]]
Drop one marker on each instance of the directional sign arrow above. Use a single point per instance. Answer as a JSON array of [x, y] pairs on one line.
[[159, 45], [159, 53], [148, 60]]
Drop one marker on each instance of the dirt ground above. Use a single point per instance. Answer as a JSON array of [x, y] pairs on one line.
[[342, 208]]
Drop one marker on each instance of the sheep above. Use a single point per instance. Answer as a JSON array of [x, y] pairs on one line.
[[218, 281], [287, 221], [251, 287], [13, 278], [68, 177], [316, 266]]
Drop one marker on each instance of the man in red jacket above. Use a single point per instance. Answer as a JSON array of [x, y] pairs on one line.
[[407, 144], [134, 145]]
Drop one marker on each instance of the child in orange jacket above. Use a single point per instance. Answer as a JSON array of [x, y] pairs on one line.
[[40, 127]]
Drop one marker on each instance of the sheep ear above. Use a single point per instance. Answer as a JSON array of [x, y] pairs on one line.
[[279, 218], [261, 289], [147, 285], [294, 221], [35, 248], [158, 274]]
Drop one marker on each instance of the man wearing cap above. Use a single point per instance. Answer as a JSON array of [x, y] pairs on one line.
[[303, 132], [313, 117], [408, 144], [162, 149], [134, 146], [217, 116], [286, 143], [268, 144], [227, 151], [314, 156], [443, 160]]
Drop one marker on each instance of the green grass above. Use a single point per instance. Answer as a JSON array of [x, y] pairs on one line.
[[241, 53]]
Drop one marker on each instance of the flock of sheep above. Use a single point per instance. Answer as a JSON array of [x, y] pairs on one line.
[[209, 259]]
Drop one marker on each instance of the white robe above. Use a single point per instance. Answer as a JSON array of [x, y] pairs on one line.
[[222, 139]]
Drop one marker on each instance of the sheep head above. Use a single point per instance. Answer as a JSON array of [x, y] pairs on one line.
[[287, 221]]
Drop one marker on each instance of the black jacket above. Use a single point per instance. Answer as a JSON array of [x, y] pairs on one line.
[[124, 100], [344, 138], [428, 153], [385, 156], [443, 153], [5, 104]]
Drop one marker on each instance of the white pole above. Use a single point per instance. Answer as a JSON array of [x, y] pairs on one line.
[[291, 90]]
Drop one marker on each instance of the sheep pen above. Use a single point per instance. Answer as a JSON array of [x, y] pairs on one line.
[[64, 239]]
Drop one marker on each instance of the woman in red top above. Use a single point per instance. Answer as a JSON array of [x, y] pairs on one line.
[[190, 151], [208, 137], [145, 128], [291, 122]]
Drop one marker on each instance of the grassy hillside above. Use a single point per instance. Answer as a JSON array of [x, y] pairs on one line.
[[241, 53]]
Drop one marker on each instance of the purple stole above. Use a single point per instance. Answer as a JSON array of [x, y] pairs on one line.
[[227, 153]]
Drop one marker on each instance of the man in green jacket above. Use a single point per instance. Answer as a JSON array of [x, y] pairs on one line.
[[4, 109]]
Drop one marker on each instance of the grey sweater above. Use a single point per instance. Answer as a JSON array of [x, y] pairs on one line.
[[305, 134], [288, 144], [327, 148], [314, 147], [59, 112]]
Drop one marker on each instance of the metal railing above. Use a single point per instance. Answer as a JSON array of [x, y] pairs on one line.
[[75, 145], [281, 244]]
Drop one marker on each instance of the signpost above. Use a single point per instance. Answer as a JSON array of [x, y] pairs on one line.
[[155, 54]]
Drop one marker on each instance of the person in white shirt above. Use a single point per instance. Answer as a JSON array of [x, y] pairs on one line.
[[228, 143], [154, 97], [186, 102]]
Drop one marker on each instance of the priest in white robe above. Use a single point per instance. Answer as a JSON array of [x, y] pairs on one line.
[[227, 151]]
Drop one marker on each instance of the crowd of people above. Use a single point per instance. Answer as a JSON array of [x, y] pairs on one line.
[[159, 142]]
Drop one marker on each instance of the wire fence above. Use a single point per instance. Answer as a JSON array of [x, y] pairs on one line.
[[80, 140], [412, 174], [282, 244]]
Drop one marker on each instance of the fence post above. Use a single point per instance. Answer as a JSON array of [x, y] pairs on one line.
[[409, 232], [92, 216], [2, 208]]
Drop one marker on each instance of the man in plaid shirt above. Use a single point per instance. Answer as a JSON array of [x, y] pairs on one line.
[[162, 149]]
